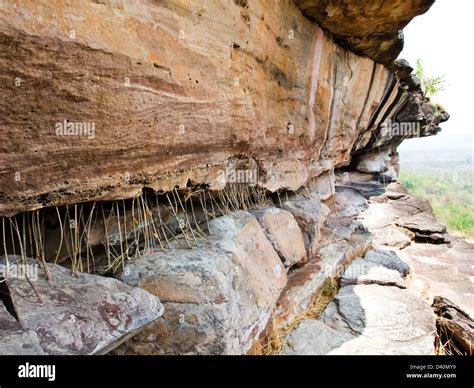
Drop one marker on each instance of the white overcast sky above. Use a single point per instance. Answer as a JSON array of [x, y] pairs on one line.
[[443, 38]]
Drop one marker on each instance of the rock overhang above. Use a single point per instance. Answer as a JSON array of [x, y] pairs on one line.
[[171, 105]]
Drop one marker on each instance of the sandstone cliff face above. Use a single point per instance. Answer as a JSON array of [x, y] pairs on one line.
[[167, 92], [122, 126]]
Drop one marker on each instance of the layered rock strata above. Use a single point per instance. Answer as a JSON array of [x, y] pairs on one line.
[[115, 96], [200, 173]]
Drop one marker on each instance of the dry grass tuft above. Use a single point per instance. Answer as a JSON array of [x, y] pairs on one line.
[[275, 342], [445, 345]]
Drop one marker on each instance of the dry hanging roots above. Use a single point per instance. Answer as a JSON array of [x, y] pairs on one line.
[[130, 228]]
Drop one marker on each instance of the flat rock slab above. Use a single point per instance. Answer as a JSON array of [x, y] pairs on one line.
[[394, 237], [218, 297], [422, 223], [368, 320], [362, 271], [314, 337], [442, 269], [388, 259], [397, 219], [72, 314]]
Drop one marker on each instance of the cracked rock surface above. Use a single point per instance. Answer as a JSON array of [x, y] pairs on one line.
[[66, 315], [373, 313], [384, 303]]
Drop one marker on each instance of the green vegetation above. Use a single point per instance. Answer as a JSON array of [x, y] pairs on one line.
[[430, 85], [451, 194]]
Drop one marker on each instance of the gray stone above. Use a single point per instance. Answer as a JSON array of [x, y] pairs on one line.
[[314, 337], [284, 233], [422, 224], [363, 272], [323, 185], [368, 320], [218, 297], [14, 340], [310, 215], [390, 260], [393, 236], [75, 314], [343, 240], [385, 320], [349, 201]]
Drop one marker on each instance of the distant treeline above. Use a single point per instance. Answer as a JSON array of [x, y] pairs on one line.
[[451, 194]]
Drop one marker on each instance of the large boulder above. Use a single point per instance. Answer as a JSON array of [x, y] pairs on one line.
[[218, 297], [70, 313]]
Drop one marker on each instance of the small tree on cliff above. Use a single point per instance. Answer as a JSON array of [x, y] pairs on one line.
[[430, 85]]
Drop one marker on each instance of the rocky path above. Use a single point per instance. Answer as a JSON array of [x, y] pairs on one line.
[[442, 264], [384, 303], [260, 272], [373, 313]]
